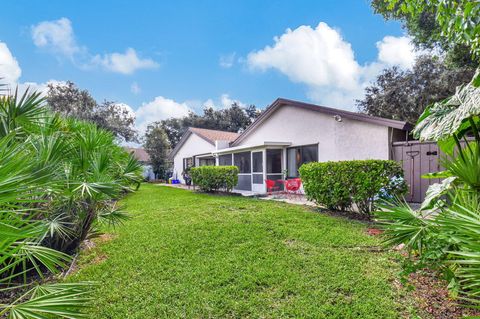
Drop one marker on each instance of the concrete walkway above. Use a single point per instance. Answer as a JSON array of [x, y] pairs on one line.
[[280, 197]]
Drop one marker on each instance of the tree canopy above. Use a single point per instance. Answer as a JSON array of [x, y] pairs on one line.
[[70, 101], [233, 119], [404, 94], [430, 26], [450, 30]]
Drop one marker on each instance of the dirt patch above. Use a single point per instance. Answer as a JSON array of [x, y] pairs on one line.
[[99, 259], [345, 214], [374, 231], [94, 255], [89, 244], [107, 237], [432, 298], [290, 242]]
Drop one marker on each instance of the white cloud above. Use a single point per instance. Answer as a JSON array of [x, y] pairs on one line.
[[396, 51], [222, 102], [10, 73], [227, 61], [159, 109], [37, 87], [58, 36], [317, 57], [325, 62], [10, 70], [135, 88], [125, 63], [162, 108], [226, 101], [209, 103]]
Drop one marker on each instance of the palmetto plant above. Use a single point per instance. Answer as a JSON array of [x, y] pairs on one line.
[[21, 234], [58, 179], [447, 237]]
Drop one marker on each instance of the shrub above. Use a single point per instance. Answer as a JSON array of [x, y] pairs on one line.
[[346, 184], [59, 179], [214, 178]]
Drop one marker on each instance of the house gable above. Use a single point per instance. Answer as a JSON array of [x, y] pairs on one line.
[[337, 113], [192, 145], [337, 139]]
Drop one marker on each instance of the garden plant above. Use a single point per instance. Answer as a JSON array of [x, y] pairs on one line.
[[443, 233], [214, 178], [59, 179], [352, 185]]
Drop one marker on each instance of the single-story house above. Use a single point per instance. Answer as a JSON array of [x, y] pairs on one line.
[[285, 136], [196, 148], [142, 156]]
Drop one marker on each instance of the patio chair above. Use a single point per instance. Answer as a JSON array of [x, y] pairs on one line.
[[271, 186], [292, 186]]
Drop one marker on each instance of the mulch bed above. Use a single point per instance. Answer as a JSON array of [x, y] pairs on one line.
[[430, 294], [432, 298], [345, 214]]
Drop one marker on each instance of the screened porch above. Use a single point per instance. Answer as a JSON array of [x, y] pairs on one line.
[[271, 161]]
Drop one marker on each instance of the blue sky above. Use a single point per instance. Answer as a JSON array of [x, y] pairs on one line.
[[165, 58]]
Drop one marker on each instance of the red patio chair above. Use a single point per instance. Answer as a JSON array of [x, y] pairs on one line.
[[292, 186], [271, 186]]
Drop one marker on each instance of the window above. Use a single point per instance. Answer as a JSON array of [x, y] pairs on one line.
[[242, 161], [274, 161], [257, 159], [225, 160], [296, 156], [206, 162], [187, 163], [257, 167]]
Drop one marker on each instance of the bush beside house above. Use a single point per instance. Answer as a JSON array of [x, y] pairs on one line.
[[345, 185], [214, 178]]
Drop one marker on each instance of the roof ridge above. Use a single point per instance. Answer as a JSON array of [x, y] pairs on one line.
[[209, 129]]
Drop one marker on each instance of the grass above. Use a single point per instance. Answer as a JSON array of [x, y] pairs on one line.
[[190, 255]]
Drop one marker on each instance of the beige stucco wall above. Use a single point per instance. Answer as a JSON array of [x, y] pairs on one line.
[[194, 145], [344, 140]]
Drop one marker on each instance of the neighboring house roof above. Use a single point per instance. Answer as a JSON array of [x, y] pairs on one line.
[[208, 135], [140, 154], [401, 125], [214, 135]]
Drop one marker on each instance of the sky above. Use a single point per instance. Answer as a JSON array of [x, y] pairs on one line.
[[165, 58]]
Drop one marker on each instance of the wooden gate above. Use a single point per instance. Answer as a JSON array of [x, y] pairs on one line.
[[417, 158]]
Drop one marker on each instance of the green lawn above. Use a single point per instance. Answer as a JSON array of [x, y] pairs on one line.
[[190, 255]]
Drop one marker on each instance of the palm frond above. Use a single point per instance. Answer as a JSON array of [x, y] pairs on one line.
[[62, 300], [443, 119], [435, 191], [403, 225], [113, 216]]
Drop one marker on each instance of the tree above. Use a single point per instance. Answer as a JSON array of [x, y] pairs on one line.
[[174, 128], [458, 20], [233, 119], [157, 146], [70, 101], [403, 95], [428, 25]]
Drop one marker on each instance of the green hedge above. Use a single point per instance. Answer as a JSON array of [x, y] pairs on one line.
[[214, 178], [347, 184]]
